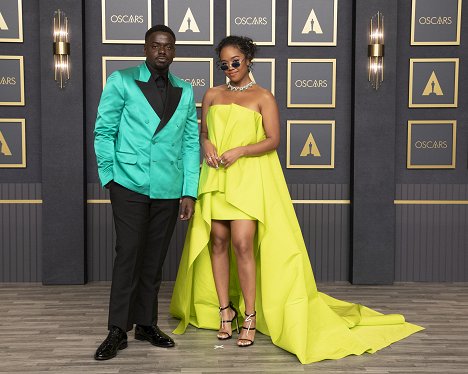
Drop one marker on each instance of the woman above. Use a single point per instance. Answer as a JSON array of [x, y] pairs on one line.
[[244, 205]]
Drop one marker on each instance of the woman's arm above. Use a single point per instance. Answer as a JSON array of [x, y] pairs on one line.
[[209, 150]]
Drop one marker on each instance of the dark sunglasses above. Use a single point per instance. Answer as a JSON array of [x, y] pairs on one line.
[[225, 65]]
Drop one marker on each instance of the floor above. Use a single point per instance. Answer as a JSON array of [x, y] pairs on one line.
[[56, 329]]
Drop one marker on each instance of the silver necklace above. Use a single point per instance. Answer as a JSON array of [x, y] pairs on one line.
[[240, 89]]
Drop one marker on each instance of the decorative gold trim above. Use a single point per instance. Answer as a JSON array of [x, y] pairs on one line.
[[23, 142], [21, 62], [430, 202], [455, 85], [307, 60], [272, 61], [288, 144], [117, 41], [98, 201], [21, 201], [189, 42], [273, 22], [322, 44], [455, 42], [19, 39], [409, 165]]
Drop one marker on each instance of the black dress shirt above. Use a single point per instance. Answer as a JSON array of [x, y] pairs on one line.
[[161, 81]]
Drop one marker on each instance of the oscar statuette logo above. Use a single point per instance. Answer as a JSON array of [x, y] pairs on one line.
[[189, 23], [312, 24], [3, 24], [433, 86], [4, 149], [310, 147], [433, 83]]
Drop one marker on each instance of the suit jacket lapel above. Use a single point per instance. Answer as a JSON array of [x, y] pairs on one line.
[[148, 88], [173, 95]]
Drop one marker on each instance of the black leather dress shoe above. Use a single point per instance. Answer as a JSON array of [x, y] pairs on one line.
[[116, 339], [154, 335]]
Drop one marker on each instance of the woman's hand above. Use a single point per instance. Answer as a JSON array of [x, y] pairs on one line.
[[210, 154], [231, 156]]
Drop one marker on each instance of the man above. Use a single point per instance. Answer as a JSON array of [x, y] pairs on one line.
[[147, 148]]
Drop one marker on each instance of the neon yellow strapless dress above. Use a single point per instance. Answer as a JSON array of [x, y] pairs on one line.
[[297, 317]]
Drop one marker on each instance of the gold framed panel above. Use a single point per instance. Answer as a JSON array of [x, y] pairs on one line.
[[115, 58], [142, 58], [21, 62], [19, 39], [455, 60], [273, 22], [120, 41], [273, 71], [22, 121], [189, 42], [323, 44], [455, 42], [205, 59], [453, 123], [289, 165], [301, 60]]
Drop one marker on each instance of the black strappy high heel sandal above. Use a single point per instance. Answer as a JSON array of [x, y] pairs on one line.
[[248, 318], [227, 336]]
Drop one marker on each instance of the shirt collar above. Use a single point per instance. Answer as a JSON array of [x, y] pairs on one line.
[[155, 74]]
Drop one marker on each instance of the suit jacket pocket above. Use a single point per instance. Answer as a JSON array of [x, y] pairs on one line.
[[126, 158]]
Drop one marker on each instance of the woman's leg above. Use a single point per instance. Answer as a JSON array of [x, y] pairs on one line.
[[220, 238], [243, 233]]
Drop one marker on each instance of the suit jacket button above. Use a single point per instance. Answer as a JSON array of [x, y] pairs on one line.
[[146, 121], [154, 141], [172, 162]]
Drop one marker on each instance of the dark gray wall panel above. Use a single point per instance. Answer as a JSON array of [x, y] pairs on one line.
[[431, 240], [373, 153], [63, 167], [20, 233]]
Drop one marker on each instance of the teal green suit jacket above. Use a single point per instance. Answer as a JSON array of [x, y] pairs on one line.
[[156, 157]]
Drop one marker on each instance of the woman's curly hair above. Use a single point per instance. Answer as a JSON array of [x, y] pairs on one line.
[[243, 43]]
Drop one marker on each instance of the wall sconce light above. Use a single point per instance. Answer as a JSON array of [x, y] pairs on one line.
[[61, 48], [375, 50]]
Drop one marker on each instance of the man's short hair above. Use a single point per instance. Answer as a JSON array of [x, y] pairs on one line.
[[161, 28]]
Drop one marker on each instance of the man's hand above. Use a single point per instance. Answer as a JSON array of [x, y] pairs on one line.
[[187, 207]]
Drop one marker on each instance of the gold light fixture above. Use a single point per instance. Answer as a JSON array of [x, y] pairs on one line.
[[61, 48], [375, 50]]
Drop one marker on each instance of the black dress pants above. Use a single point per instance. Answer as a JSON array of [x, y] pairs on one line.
[[144, 229]]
